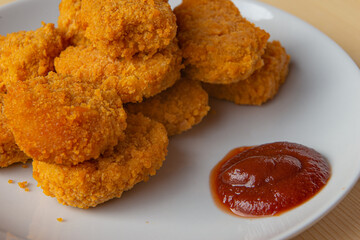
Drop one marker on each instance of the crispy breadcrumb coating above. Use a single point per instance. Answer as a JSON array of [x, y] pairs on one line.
[[219, 45], [178, 108], [96, 181], [28, 54], [9, 152], [262, 85], [63, 120], [135, 78], [69, 22], [122, 28]]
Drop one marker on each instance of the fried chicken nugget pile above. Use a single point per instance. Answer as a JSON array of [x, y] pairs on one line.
[[62, 90], [70, 119], [93, 182], [219, 45], [262, 85]]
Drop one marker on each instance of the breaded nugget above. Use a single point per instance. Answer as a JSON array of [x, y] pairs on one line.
[[219, 45], [122, 28], [178, 108], [29, 54], [135, 78], [262, 85], [9, 151], [96, 181], [63, 119], [69, 22]]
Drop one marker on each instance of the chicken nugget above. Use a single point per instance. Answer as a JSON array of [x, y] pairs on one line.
[[96, 181], [9, 151], [262, 85], [63, 120], [179, 108], [122, 28], [218, 44], [135, 78], [69, 22], [28, 54]]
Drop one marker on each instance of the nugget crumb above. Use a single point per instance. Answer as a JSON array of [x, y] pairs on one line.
[[60, 219], [27, 190], [24, 166], [23, 184], [11, 181]]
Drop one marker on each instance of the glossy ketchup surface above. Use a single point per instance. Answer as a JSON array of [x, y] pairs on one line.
[[268, 179]]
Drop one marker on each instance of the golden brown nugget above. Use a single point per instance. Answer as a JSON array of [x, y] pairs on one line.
[[69, 22], [29, 54], [63, 120], [96, 181], [219, 45], [262, 85], [135, 78], [122, 28], [178, 108], [9, 152]]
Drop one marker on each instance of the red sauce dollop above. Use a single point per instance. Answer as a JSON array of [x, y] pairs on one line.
[[268, 179]]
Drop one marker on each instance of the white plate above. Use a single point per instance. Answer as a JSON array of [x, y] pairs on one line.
[[319, 106]]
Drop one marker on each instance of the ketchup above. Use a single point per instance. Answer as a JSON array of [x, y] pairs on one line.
[[268, 179]]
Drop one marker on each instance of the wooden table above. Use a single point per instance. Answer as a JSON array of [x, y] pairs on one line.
[[340, 20]]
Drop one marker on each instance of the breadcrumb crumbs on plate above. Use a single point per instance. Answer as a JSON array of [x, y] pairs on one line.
[[60, 219], [23, 184], [24, 166], [10, 181], [27, 190]]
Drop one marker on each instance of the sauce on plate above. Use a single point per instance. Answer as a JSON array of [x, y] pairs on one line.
[[268, 179]]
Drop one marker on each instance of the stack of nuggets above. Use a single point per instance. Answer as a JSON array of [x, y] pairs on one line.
[[93, 101], [69, 117]]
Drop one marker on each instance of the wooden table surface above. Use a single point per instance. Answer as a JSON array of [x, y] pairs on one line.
[[340, 20]]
